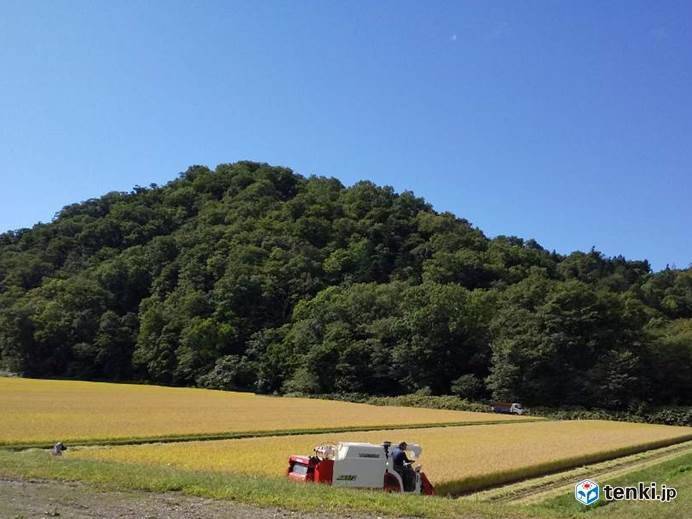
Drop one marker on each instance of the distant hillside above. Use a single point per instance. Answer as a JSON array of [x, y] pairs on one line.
[[253, 277]]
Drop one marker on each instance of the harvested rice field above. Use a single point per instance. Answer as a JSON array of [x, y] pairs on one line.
[[50, 410], [456, 459]]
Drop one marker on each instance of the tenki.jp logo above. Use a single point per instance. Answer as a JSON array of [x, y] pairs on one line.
[[587, 492]]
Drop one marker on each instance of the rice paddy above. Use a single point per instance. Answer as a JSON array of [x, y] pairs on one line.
[[456, 459], [35, 411]]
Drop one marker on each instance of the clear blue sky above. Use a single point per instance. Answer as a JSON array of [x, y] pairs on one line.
[[567, 122]]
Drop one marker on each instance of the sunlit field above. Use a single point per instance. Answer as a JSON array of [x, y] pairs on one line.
[[52, 410], [456, 459]]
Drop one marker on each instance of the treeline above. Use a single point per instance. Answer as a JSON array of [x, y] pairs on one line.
[[252, 277]]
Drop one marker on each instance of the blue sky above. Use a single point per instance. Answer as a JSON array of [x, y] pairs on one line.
[[567, 122]]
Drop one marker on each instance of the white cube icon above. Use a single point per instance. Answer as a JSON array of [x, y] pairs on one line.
[[587, 492]]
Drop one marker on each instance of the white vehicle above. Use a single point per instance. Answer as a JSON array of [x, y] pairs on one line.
[[508, 408], [357, 465]]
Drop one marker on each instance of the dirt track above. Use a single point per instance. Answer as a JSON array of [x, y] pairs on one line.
[[30, 499]]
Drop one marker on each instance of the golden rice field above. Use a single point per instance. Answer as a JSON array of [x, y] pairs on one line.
[[51, 410], [455, 458]]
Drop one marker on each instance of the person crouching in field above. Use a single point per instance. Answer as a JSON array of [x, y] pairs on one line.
[[58, 448]]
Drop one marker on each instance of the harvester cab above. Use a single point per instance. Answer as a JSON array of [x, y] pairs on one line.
[[359, 465]]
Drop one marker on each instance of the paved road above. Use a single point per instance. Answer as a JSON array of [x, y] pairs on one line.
[[20, 499]]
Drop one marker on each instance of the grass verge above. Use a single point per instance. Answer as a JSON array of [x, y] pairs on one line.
[[264, 492], [676, 473]]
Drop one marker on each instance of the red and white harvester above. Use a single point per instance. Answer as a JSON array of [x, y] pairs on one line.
[[358, 465]]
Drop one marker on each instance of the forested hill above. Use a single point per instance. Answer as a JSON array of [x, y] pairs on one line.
[[253, 277]]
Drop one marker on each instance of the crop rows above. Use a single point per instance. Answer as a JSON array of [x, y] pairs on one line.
[[457, 459], [45, 411]]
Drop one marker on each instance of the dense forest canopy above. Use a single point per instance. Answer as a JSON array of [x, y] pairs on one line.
[[253, 277]]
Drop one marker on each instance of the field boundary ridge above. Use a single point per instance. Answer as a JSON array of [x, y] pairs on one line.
[[174, 438]]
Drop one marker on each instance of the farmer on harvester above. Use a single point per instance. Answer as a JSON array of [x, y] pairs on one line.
[[402, 465]]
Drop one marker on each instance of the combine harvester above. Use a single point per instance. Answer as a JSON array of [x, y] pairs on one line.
[[359, 465]]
